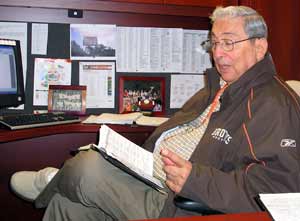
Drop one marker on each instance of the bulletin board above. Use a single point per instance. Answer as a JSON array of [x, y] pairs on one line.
[[59, 47]]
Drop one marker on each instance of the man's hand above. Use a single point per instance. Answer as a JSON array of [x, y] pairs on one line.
[[176, 168]]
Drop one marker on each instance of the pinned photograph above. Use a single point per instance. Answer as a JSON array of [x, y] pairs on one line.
[[93, 41], [67, 98], [142, 94]]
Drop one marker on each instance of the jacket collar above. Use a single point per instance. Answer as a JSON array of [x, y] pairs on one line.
[[258, 74]]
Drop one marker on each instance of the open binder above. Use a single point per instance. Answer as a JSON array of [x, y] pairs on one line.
[[128, 157], [126, 169]]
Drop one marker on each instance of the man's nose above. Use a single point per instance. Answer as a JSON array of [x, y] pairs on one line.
[[218, 50]]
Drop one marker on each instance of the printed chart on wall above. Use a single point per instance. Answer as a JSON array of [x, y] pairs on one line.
[[183, 87], [174, 50], [99, 77], [48, 71]]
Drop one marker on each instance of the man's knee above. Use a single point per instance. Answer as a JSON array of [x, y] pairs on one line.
[[80, 173], [83, 164]]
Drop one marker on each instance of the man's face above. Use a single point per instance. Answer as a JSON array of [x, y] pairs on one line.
[[232, 64]]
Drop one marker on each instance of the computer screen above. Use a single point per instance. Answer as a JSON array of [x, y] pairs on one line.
[[11, 74]]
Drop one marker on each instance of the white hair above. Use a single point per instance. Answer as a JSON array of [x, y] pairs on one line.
[[254, 23]]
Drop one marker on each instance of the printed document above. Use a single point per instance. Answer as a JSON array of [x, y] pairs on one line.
[[195, 59], [99, 77], [282, 206], [183, 87], [151, 121], [134, 157], [144, 49], [39, 38], [110, 118], [129, 118]]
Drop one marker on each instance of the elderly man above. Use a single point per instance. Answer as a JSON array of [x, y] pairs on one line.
[[233, 139]]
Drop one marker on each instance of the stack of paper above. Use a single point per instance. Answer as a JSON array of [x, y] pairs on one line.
[[282, 206], [109, 118], [151, 121], [130, 118]]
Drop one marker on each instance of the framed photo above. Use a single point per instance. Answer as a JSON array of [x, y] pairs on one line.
[[67, 98], [142, 94]]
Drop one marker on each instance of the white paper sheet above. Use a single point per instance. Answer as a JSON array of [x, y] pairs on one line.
[[146, 49], [176, 62], [99, 77], [126, 151], [195, 58], [183, 87], [126, 49], [282, 206], [133, 156], [39, 39], [166, 49], [143, 49], [111, 118]]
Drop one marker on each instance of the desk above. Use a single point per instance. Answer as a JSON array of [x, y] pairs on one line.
[[260, 216], [34, 149]]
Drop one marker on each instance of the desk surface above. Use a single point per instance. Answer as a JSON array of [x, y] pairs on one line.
[[7, 135], [260, 216]]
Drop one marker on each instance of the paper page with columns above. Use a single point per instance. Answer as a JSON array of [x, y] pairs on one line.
[[134, 157]]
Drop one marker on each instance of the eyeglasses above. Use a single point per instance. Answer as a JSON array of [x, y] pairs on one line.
[[226, 44]]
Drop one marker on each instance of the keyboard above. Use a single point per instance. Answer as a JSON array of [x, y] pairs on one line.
[[15, 122]]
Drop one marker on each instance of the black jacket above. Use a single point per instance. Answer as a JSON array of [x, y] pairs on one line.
[[250, 146]]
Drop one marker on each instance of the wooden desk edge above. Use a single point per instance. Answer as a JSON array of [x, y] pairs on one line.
[[258, 216], [7, 135]]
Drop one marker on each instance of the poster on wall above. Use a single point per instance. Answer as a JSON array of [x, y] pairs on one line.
[[49, 71]]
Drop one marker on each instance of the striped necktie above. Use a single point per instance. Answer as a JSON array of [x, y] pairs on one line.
[[183, 139]]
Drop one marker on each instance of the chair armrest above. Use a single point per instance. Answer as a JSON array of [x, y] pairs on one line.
[[190, 205]]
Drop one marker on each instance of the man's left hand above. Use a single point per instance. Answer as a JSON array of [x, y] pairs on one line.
[[176, 168]]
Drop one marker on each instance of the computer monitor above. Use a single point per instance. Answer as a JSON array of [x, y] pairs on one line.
[[11, 74]]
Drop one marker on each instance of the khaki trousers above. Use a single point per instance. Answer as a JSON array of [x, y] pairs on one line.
[[90, 188]]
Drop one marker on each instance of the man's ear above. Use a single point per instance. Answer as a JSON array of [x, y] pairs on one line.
[[261, 48]]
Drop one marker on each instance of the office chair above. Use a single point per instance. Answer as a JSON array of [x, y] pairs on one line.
[[190, 205], [295, 85]]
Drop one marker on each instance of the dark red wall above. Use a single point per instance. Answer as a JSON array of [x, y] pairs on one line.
[[283, 19]]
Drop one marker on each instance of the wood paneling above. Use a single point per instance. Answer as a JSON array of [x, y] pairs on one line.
[[140, 1], [102, 17], [203, 3], [110, 6], [284, 27], [283, 20]]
